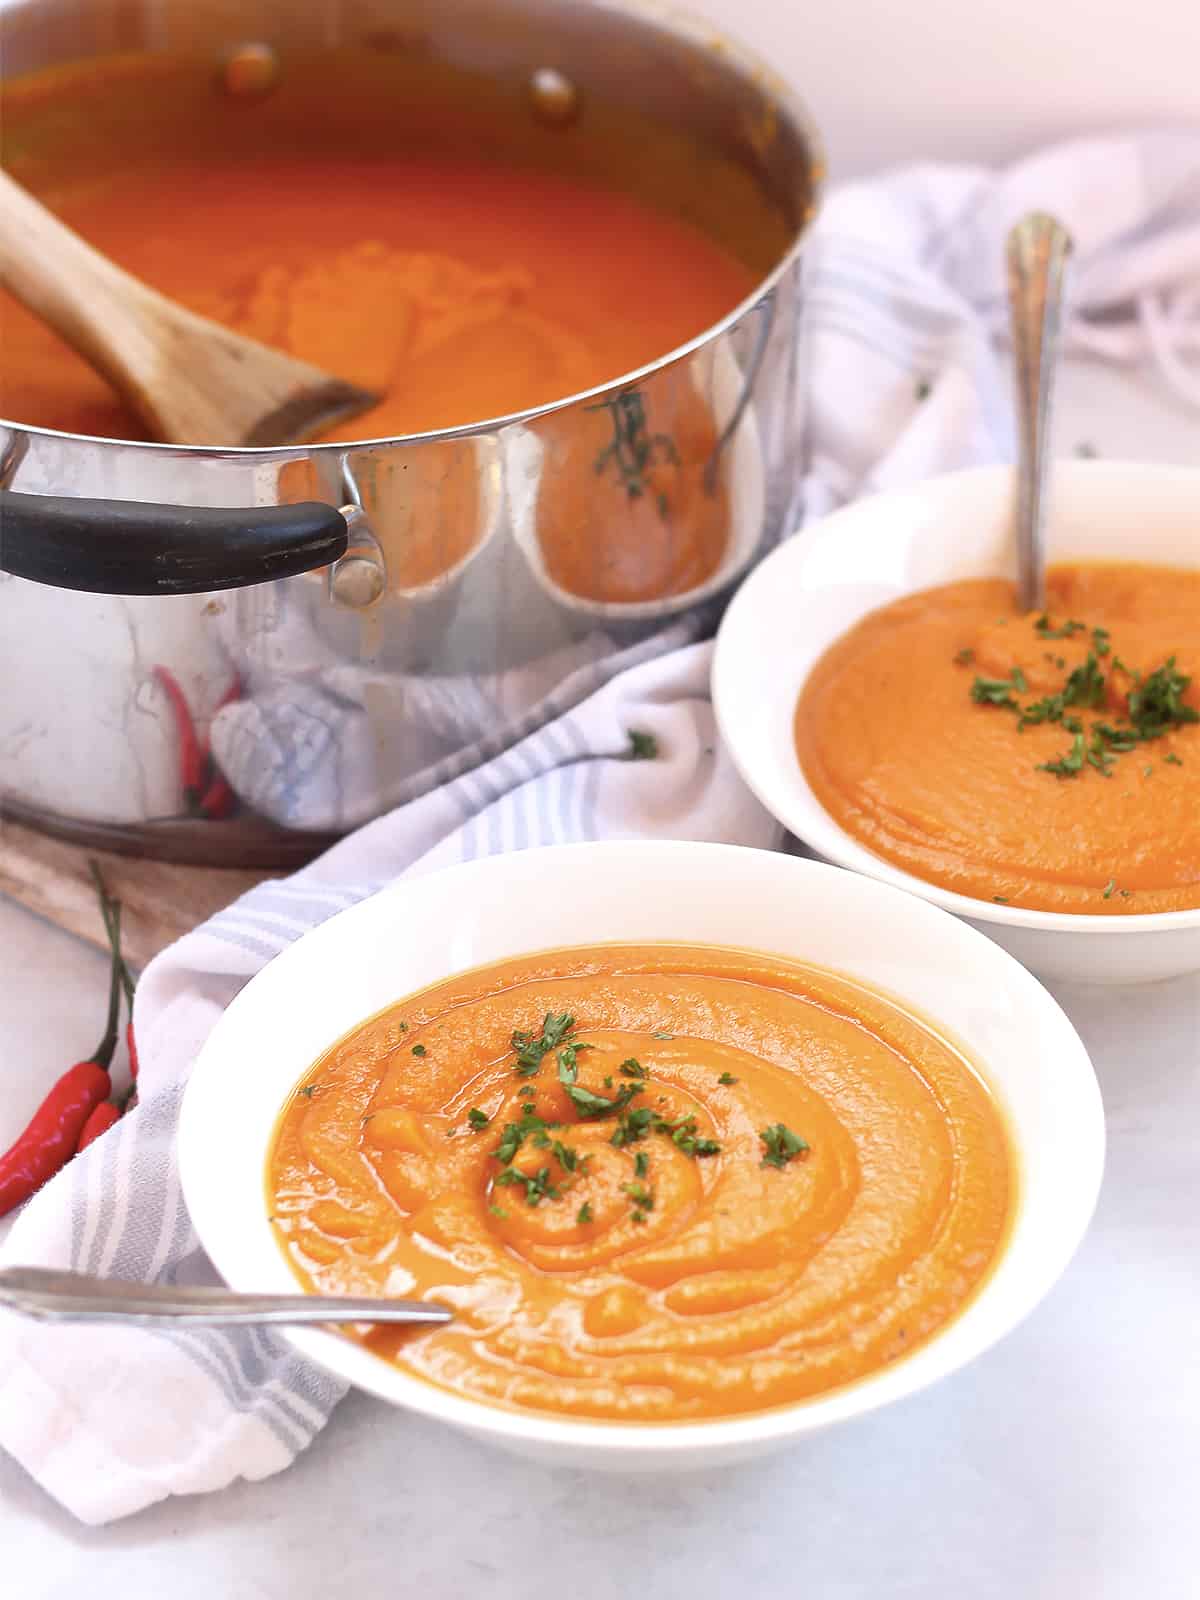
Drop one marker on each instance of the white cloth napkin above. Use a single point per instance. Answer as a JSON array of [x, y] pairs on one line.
[[904, 300]]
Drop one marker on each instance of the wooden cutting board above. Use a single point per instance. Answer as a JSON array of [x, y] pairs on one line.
[[160, 901]]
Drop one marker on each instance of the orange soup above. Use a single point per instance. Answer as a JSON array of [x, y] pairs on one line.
[[1049, 761], [458, 289], [656, 1184]]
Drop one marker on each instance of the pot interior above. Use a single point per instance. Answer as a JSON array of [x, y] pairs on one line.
[[600, 96]]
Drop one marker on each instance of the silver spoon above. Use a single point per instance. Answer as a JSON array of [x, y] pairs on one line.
[[1037, 253], [73, 1297]]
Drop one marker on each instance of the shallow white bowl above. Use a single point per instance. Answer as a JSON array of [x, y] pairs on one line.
[[811, 590], [430, 927]]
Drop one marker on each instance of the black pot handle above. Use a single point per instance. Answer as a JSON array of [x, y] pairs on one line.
[[130, 547]]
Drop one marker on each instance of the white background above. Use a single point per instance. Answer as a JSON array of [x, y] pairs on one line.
[[973, 80], [1063, 1466]]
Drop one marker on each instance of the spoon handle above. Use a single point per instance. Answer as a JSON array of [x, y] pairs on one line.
[[1038, 248], [73, 1297]]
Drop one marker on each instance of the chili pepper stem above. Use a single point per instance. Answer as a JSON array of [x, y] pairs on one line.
[[110, 910]]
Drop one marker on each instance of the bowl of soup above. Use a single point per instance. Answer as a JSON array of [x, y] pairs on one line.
[[1036, 772], [706, 1147]]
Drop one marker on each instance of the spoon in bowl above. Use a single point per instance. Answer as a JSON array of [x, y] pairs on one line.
[[190, 380], [54, 1296], [1038, 248]]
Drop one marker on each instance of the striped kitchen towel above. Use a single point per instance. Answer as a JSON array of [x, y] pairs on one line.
[[902, 309]]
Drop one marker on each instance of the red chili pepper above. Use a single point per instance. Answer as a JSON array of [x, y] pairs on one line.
[[131, 1043], [100, 1121], [232, 694], [191, 755], [53, 1134], [218, 799], [205, 789]]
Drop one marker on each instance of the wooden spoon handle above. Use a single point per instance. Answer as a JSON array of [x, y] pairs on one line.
[[191, 380], [70, 286]]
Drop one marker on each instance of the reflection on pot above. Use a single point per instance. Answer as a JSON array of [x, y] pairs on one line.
[[624, 512], [648, 500]]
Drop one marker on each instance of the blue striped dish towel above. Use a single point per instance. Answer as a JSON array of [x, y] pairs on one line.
[[904, 304]]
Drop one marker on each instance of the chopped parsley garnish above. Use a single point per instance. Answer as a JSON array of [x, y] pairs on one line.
[[567, 1158], [537, 1184], [641, 1164], [662, 1035], [308, 1090], [633, 1068], [1000, 899], [964, 657], [637, 1216], [584, 1214], [781, 1145], [1066, 766], [1172, 759], [642, 1197], [1046, 628], [497, 1211], [591, 1105], [419, 1050], [632, 1126], [999, 691], [477, 1119], [531, 1048], [727, 1077], [1155, 703], [516, 1133], [1109, 887], [1085, 685]]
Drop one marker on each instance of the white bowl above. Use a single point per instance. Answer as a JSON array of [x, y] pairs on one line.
[[430, 927], [813, 588]]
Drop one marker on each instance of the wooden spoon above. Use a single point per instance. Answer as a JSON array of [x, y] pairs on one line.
[[190, 380]]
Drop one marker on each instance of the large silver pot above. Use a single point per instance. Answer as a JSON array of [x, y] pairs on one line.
[[361, 683]]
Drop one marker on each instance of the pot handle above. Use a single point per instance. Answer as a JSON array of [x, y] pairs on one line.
[[130, 547]]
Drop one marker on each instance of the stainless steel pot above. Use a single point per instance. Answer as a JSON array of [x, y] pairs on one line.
[[360, 684]]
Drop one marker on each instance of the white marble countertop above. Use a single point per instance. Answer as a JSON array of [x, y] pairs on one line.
[[1063, 1464]]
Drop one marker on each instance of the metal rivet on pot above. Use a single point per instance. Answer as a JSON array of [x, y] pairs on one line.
[[554, 98], [357, 582], [249, 71]]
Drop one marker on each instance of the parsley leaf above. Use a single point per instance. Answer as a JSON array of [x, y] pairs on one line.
[[632, 1126], [477, 1119], [1067, 766], [633, 1068], [531, 1048], [642, 746], [999, 691], [584, 1214], [642, 1197], [591, 1105], [1046, 628], [537, 1184], [567, 1158], [641, 1164], [727, 1077], [419, 1050], [781, 1145]]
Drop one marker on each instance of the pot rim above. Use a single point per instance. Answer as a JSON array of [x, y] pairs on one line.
[[693, 29]]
